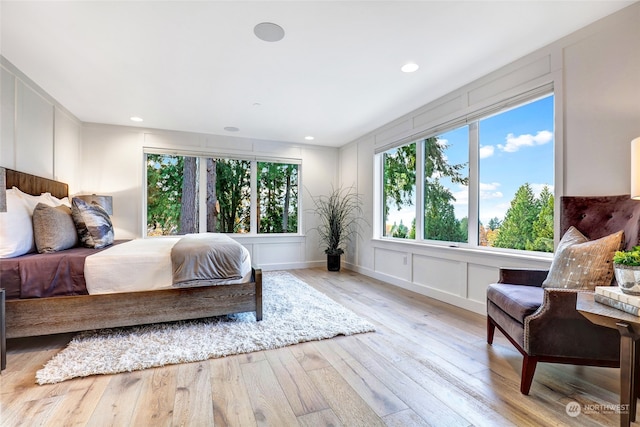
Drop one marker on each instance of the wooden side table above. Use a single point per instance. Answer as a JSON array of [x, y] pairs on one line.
[[629, 327]]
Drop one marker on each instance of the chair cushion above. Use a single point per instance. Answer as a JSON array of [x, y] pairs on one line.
[[582, 264], [518, 301]]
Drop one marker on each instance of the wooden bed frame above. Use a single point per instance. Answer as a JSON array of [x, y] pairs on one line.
[[45, 316]]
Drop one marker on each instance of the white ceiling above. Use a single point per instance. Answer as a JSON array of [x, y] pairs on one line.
[[198, 67]]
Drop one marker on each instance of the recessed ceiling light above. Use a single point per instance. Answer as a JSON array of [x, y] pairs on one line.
[[231, 129], [136, 119], [309, 138], [269, 32], [409, 67]]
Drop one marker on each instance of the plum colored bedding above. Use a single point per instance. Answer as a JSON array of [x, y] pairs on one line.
[[45, 275]]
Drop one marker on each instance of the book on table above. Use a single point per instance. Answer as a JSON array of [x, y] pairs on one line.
[[614, 297]]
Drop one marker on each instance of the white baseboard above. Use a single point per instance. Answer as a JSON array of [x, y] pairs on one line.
[[437, 294], [291, 265]]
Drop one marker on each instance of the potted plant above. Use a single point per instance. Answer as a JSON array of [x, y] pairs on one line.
[[338, 215], [626, 267]]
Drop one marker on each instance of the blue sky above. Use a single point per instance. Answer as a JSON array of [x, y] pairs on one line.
[[516, 147]]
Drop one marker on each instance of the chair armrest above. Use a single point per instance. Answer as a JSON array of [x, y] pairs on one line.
[[523, 276], [558, 329]]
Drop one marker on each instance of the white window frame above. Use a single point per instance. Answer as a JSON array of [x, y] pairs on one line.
[[471, 120]]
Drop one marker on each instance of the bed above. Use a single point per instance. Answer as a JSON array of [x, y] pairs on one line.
[[61, 314]]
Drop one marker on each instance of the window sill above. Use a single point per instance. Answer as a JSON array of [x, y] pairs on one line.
[[462, 250]]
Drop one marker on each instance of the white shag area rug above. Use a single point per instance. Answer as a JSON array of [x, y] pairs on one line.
[[293, 312]]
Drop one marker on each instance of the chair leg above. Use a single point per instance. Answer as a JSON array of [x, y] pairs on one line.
[[528, 369], [491, 329]]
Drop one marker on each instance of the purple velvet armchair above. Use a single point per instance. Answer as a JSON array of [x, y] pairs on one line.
[[543, 323]]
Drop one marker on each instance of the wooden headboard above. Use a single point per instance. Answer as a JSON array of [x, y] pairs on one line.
[[36, 185]]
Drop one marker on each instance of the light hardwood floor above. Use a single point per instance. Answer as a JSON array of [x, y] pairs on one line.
[[428, 363]]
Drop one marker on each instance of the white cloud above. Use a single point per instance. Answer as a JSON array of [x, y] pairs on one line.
[[487, 187], [442, 142], [514, 143], [486, 151], [462, 195], [490, 191]]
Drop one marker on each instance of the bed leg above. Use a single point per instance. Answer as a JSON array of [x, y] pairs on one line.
[[257, 277], [3, 335]]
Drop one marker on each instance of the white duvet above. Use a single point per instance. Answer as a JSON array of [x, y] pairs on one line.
[[140, 265]]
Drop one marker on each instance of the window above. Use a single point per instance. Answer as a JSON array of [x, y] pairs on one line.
[[172, 195], [516, 177], [446, 192], [444, 188], [228, 195], [183, 198], [278, 197], [399, 190], [506, 201]]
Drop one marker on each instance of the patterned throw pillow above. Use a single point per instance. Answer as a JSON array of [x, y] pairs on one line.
[[582, 264], [93, 224], [53, 228]]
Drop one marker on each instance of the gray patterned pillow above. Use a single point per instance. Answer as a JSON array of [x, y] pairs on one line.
[[583, 264], [53, 228], [93, 224]]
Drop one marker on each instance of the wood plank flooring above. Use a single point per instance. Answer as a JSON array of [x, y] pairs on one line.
[[428, 364]]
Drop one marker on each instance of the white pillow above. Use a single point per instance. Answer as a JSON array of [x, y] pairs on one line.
[[16, 228], [54, 201], [32, 201]]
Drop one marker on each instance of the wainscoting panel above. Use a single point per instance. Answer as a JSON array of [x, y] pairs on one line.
[[392, 263], [441, 274], [34, 132], [458, 276], [478, 279], [280, 253], [444, 108]]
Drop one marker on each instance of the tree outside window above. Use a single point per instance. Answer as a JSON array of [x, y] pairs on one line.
[[444, 181], [228, 196], [172, 195], [277, 197], [173, 203], [446, 186], [399, 187]]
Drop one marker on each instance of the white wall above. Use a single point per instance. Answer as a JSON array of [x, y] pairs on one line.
[[112, 164], [38, 135], [596, 78]]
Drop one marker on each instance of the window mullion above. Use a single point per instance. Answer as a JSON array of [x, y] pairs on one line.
[[419, 190], [254, 198], [474, 184], [202, 195]]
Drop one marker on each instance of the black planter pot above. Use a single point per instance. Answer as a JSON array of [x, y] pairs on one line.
[[333, 262]]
